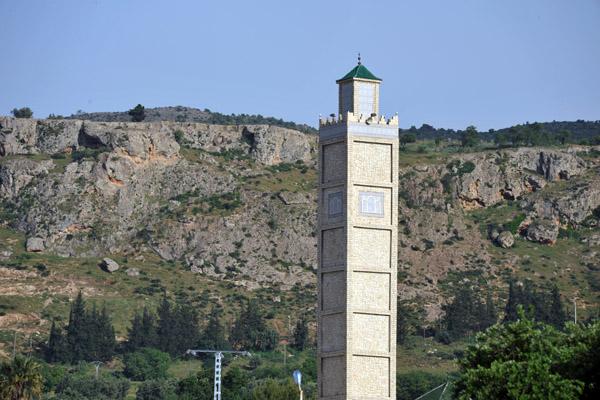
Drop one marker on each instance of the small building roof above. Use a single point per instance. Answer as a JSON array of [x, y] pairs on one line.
[[359, 72]]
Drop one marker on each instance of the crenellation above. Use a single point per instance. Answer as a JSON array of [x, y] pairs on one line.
[[350, 117]]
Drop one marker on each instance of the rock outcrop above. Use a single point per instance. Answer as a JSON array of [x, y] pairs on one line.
[[142, 140], [34, 244], [17, 173], [110, 265], [543, 232], [509, 175], [505, 239]]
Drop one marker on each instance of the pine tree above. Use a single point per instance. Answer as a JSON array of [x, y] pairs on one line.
[[186, 327], [105, 336], [515, 297], [402, 324], [249, 329], [134, 334], [490, 313], [166, 327], [213, 335], [301, 334], [558, 315], [459, 318], [138, 113], [78, 332], [150, 335], [142, 332], [57, 350]]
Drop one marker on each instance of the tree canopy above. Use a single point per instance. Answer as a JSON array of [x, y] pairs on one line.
[[469, 137], [24, 112], [89, 335], [138, 113], [529, 360], [20, 379], [407, 138]]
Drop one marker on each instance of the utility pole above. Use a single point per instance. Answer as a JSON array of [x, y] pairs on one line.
[[97, 365], [575, 307], [218, 356], [15, 341]]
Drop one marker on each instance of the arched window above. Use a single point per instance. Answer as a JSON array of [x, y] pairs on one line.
[[370, 204]]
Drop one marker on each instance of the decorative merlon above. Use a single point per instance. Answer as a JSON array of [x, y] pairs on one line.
[[351, 117]]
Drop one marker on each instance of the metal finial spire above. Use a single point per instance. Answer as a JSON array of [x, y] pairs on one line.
[[359, 58]]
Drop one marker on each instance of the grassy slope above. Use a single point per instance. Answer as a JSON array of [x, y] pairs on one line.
[[48, 294]]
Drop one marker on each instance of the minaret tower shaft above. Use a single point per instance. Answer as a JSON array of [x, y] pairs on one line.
[[357, 245]]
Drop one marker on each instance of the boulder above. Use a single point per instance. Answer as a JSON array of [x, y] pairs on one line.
[[132, 271], [494, 235], [543, 232], [110, 265], [5, 255], [34, 244], [505, 239]]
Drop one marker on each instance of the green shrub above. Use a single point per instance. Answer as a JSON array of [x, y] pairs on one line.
[[447, 183], [179, 136], [513, 226], [466, 168], [90, 154], [147, 363]]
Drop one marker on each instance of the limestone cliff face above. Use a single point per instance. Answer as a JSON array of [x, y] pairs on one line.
[[506, 175], [268, 144], [215, 199], [93, 188]]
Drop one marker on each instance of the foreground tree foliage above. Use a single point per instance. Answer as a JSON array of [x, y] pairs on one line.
[[411, 385], [20, 379], [530, 360], [157, 389], [88, 388], [273, 390]]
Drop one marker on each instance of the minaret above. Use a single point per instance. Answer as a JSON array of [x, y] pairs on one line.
[[357, 245]]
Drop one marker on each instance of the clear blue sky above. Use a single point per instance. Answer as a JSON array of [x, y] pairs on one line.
[[450, 64]]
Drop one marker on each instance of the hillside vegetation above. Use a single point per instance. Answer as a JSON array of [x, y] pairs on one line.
[[214, 216]]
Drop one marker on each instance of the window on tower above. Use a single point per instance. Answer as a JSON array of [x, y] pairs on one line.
[[370, 204], [366, 92], [347, 98]]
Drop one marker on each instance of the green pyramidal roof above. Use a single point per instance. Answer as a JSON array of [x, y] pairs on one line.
[[359, 72]]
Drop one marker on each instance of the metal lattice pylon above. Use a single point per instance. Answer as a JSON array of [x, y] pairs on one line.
[[218, 356]]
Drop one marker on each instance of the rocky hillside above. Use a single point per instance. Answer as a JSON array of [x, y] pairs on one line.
[[236, 204]]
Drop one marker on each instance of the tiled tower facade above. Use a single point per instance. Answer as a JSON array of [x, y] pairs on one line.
[[357, 244]]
